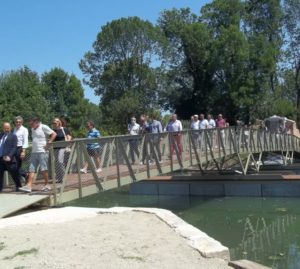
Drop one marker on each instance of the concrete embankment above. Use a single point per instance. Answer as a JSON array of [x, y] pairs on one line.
[[107, 238]]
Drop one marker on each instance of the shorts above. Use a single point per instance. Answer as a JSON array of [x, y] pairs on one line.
[[38, 159], [95, 152]]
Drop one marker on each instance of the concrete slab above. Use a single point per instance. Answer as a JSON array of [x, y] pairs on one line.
[[174, 188], [144, 189], [207, 189], [242, 189], [284, 189], [11, 203]]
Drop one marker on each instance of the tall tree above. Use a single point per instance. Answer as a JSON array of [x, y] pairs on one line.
[[123, 63], [65, 96], [189, 60], [263, 28], [292, 41]]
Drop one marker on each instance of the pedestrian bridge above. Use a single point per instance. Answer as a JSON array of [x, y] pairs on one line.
[[126, 159]]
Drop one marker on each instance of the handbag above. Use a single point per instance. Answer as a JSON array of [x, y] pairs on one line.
[[67, 149]]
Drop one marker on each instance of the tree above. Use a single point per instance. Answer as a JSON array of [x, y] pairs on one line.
[[292, 41], [21, 93], [123, 62], [65, 97], [190, 62]]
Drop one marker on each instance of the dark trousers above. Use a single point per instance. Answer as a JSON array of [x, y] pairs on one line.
[[134, 149], [13, 169], [22, 172], [156, 146]]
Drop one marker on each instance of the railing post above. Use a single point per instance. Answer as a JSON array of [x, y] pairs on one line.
[[53, 175], [116, 140], [78, 164]]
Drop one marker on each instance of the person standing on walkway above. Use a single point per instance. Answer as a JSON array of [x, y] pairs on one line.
[[211, 125], [144, 129], [155, 127], [93, 149], [22, 135], [62, 134], [175, 127], [133, 129], [39, 156], [221, 123], [8, 155]]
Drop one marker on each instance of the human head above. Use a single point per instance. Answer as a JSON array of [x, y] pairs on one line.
[[34, 122], [201, 116], [56, 122], [142, 118], [195, 117], [18, 121], [133, 120], [6, 127], [90, 124], [209, 117], [174, 117], [220, 116]]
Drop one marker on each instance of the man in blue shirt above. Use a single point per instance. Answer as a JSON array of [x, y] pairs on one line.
[[93, 149]]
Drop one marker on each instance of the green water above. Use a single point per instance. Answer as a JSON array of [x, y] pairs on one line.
[[265, 230]]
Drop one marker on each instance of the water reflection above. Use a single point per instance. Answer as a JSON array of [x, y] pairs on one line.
[[262, 241], [259, 229]]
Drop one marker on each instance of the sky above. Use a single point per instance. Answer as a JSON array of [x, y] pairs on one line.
[[43, 34]]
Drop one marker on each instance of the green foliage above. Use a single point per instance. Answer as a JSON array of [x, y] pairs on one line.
[[120, 69], [55, 94], [21, 93]]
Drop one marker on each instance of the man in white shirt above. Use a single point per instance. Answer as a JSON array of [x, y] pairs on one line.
[[133, 129], [203, 124], [211, 122], [175, 127], [195, 124], [39, 155], [22, 135], [211, 125]]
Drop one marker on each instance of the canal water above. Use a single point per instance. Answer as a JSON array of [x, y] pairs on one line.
[[265, 230]]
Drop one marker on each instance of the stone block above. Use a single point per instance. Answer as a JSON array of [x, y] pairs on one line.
[[176, 188], [207, 189], [286, 189], [144, 188], [242, 189]]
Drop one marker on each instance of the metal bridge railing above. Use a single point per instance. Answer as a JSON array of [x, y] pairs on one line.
[[127, 158]]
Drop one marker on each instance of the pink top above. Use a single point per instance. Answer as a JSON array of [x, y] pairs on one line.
[[221, 123]]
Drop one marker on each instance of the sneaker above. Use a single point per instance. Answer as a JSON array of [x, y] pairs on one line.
[[99, 170], [25, 189], [141, 163], [83, 171], [46, 188]]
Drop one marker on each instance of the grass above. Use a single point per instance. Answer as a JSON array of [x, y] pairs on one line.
[[22, 253]]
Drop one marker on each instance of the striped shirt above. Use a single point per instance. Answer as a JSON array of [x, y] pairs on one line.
[[93, 133]]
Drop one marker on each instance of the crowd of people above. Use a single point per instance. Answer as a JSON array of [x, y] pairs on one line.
[[14, 144]]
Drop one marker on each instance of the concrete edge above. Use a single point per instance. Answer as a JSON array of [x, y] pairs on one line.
[[200, 241]]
